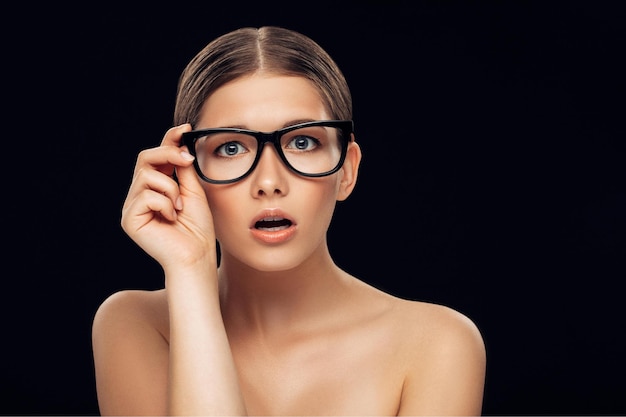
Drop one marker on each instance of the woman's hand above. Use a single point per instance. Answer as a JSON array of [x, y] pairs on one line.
[[171, 221]]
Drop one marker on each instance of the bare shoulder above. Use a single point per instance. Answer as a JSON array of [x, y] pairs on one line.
[[444, 354], [130, 350], [423, 325], [438, 354], [133, 306], [434, 325]]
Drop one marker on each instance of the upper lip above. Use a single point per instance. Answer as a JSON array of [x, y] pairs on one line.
[[271, 214]]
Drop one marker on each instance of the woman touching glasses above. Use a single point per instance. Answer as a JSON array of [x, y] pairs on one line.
[[262, 149]]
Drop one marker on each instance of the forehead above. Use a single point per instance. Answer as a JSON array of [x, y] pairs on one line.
[[263, 101]]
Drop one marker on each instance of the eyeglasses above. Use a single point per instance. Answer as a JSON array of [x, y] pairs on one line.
[[311, 149]]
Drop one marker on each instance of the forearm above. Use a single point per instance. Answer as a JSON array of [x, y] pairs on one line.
[[202, 376]]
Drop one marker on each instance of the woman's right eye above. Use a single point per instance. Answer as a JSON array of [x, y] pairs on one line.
[[230, 149]]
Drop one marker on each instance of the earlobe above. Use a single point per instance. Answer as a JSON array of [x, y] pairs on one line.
[[350, 171]]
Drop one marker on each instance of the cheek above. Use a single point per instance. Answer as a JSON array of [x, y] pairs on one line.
[[223, 206], [322, 198], [318, 199]]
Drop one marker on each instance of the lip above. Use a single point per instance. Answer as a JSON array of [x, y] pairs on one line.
[[273, 236]]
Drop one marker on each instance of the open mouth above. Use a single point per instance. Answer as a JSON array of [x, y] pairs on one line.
[[272, 224]]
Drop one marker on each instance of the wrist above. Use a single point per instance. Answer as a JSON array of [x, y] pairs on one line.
[[203, 268]]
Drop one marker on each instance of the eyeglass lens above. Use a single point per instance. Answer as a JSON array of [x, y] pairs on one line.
[[228, 155]]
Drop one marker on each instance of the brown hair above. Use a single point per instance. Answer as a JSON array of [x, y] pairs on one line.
[[271, 49]]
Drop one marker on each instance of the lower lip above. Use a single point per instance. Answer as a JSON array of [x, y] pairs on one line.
[[278, 236]]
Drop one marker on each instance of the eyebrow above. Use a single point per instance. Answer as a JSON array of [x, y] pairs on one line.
[[287, 124]]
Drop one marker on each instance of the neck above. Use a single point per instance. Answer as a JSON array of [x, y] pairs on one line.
[[266, 302]]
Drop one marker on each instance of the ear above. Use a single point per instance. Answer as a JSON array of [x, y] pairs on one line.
[[350, 170]]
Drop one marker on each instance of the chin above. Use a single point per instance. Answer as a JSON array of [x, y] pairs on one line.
[[274, 266], [272, 262], [271, 259]]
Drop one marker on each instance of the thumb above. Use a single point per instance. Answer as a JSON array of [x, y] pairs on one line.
[[193, 211], [188, 180]]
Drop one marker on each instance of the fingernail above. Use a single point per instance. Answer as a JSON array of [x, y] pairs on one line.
[[186, 155], [178, 203]]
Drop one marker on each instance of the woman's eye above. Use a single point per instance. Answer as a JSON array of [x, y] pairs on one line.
[[303, 143], [230, 149]]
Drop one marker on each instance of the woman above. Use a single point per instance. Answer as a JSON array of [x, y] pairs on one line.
[[271, 326]]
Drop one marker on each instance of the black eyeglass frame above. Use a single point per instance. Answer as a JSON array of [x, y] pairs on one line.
[[346, 127]]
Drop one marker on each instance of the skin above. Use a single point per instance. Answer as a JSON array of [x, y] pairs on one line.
[[278, 328]]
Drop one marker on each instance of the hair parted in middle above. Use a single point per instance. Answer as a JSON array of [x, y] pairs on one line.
[[268, 49]]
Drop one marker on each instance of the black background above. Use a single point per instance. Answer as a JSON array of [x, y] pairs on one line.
[[492, 179]]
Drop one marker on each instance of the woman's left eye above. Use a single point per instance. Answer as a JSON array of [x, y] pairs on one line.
[[303, 143]]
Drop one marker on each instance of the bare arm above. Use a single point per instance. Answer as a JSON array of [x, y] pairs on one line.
[[202, 374], [172, 222]]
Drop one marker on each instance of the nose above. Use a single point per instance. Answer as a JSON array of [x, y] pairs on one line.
[[269, 178]]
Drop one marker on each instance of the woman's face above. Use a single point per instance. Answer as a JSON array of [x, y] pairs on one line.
[[273, 219]]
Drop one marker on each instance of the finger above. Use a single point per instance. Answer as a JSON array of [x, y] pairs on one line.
[[173, 135], [166, 156], [188, 179], [159, 203], [163, 159], [150, 179], [142, 209]]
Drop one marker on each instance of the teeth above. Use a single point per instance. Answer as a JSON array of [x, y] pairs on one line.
[[273, 223], [271, 219], [273, 229]]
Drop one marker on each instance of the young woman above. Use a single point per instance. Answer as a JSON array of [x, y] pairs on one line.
[[261, 151]]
